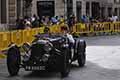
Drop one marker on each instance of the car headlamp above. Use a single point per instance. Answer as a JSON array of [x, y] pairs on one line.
[[26, 56], [48, 47], [65, 45], [45, 57]]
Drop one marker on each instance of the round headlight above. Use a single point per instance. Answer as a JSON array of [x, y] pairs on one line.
[[48, 47]]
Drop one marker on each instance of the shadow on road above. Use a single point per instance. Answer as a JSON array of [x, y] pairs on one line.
[[39, 74], [92, 71], [46, 74]]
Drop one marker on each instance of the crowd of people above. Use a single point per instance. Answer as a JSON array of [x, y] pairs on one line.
[[34, 21], [87, 19]]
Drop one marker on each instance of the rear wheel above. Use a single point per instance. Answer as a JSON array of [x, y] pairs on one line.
[[82, 59], [13, 60], [65, 64], [81, 49]]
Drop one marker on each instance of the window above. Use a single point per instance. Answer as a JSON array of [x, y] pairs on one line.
[[116, 1], [69, 7], [3, 11], [95, 9], [18, 8], [46, 8], [87, 8], [109, 11], [102, 12], [0, 11], [78, 9], [116, 11], [69, 3]]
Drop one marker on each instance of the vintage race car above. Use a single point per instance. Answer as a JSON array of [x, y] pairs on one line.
[[46, 53]]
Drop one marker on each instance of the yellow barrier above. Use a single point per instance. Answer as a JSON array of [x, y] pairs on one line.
[[4, 40], [21, 36], [16, 37], [101, 27], [56, 28], [81, 28], [96, 27], [41, 29], [116, 27]]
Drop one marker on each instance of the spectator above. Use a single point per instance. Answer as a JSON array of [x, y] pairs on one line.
[[54, 20], [84, 19], [71, 22], [27, 25], [114, 18], [34, 21], [20, 24], [61, 19]]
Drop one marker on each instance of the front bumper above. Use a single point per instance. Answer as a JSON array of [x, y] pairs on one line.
[[34, 65], [35, 68], [42, 66]]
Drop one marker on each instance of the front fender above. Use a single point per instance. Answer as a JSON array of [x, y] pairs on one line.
[[12, 45], [81, 46]]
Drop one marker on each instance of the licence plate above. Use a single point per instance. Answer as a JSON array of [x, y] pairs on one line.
[[35, 67]]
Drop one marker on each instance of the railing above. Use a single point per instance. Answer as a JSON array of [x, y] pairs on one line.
[[21, 36]]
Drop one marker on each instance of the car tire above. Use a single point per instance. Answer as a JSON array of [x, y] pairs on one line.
[[13, 60], [82, 59], [65, 64]]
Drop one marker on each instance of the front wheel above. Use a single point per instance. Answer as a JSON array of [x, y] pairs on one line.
[[13, 60], [82, 59], [65, 64]]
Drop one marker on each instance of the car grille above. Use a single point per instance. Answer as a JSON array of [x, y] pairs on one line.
[[37, 51]]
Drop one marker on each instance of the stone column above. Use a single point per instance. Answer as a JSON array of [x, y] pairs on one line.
[[34, 7], [7, 11], [22, 8], [83, 7], [12, 12], [60, 7], [106, 12], [74, 8], [90, 9]]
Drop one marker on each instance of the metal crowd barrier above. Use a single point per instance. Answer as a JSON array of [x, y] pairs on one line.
[[18, 36], [21, 36], [105, 27]]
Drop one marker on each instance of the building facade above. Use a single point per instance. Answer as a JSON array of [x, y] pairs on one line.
[[93, 8], [10, 10]]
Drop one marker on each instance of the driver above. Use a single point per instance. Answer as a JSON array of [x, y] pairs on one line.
[[47, 32], [65, 31]]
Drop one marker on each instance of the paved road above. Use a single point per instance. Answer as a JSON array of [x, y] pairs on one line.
[[103, 63]]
